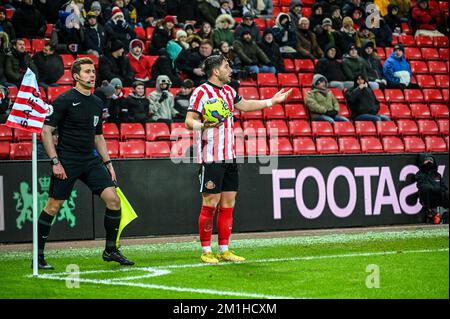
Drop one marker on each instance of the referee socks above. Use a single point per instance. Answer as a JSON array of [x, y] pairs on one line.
[[44, 225], [112, 223]]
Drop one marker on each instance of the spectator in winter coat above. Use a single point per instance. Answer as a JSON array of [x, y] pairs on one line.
[[272, 50], [162, 104], [145, 12], [336, 17], [397, 70], [118, 28], [307, 44], [118, 109], [222, 32], [139, 62], [28, 22], [358, 17], [393, 20], [325, 34], [353, 64], [317, 16], [138, 104], [331, 68], [175, 47], [164, 66], [115, 64], [67, 39], [295, 13], [373, 64], [5, 50], [162, 35], [426, 20], [404, 8], [182, 100], [191, 63], [364, 34], [208, 10], [347, 34], [285, 36], [50, 66], [383, 34], [95, 39], [5, 25], [206, 32], [248, 24], [17, 63], [362, 102]]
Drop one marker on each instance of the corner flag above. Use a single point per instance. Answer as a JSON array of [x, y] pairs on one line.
[[128, 213]]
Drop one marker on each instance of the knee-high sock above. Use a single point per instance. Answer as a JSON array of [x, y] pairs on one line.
[[44, 225], [205, 224], [112, 223], [224, 225]]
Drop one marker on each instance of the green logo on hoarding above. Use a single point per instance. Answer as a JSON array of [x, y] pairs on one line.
[[24, 203]]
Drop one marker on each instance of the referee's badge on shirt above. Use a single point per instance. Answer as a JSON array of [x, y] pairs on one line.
[[95, 120]]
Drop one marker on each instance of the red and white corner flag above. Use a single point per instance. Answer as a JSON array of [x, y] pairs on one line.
[[29, 110]]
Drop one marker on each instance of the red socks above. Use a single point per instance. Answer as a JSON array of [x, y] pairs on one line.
[[205, 224], [224, 225]]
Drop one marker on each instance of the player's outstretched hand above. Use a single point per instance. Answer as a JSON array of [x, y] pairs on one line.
[[59, 172], [281, 96]]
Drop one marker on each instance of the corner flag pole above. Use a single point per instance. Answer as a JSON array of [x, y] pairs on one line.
[[35, 206]]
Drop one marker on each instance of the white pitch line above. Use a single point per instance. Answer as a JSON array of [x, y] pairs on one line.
[[162, 270]]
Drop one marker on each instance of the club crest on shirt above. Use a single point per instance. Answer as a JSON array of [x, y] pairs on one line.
[[210, 185], [95, 120]]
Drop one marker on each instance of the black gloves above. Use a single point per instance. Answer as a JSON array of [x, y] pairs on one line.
[[164, 96]]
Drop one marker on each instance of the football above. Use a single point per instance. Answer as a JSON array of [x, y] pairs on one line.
[[216, 110]]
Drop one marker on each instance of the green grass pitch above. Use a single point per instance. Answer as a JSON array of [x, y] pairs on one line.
[[386, 264]]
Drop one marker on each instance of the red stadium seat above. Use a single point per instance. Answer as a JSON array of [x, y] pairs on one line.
[[445, 95], [322, 128], [420, 111], [386, 128], [379, 95], [439, 110], [131, 131], [381, 53], [280, 146], [299, 128], [441, 42], [179, 131], [287, 79], [260, 22], [54, 91], [266, 79], [113, 148], [305, 79], [249, 93], [443, 126], [37, 45], [93, 57], [393, 144], [414, 144], [400, 111], [13, 90], [304, 66], [296, 111], [326, 145], [441, 80], [179, 148], [430, 53], [157, 149], [437, 67], [444, 53], [149, 33], [67, 60], [5, 149], [447, 141], [413, 53], [349, 145], [49, 30], [425, 81], [419, 67], [435, 144], [407, 40], [253, 115], [6, 133], [254, 128], [132, 149], [273, 112], [21, 135], [363, 128], [424, 41], [111, 131], [289, 65], [413, 96], [384, 110], [338, 94], [277, 128], [394, 95], [157, 131], [66, 78], [371, 145], [432, 95], [20, 151], [140, 33], [427, 127], [344, 129], [256, 147], [267, 92], [296, 95], [407, 127], [304, 145], [247, 82]]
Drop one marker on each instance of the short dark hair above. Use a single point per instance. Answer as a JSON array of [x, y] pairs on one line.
[[52, 46], [76, 66], [211, 63]]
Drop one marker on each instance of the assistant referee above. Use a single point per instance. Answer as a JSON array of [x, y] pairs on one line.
[[77, 116]]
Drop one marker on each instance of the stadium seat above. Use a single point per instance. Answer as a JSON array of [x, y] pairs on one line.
[[6, 133], [326, 145], [381, 53], [412, 53], [54, 91], [49, 30], [321, 128], [179, 130], [289, 65], [66, 78], [414, 144], [400, 111], [179, 148], [424, 41], [394, 96], [13, 90], [254, 128], [296, 111], [20, 151], [5, 149], [266, 79], [344, 110], [157, 131], [37, 45], [370, 144], [249, 93], [296, 95], [379, 95], [132, 149], [273, 112], [407, 127], [338, 94], [388, 51], [437, 67], [385, 128], [349, 145], [149, 33], [430, 53], [445, 95], [441, 42], [435, 144], [304, 66], [425, 81], [392, 144], [260, 22], [157, 149], [140, 33], [407, 40], [305, 79], [441, 80], [439, 110], [247, 82], [113, 148], [420, 111], [344, 128], [304, 145], [280, 146], [299, 128], [427, 127], [364, 128], [287, 79], [267, 92], [384, 110], [67, 60], [253, 115], [419, 67], [111, 131], [413, 96], [432, 95], [21, 135], [277, 128], [444, 53], [256, 146], [443, 126], [131, 131]]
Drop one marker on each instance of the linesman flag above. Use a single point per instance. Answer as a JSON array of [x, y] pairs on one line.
[[29, 110], [128, 213]]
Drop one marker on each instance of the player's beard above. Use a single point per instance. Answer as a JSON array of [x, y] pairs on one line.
[[225, 79]]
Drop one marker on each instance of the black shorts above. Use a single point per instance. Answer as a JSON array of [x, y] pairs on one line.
[[218, 177], [90, 171]]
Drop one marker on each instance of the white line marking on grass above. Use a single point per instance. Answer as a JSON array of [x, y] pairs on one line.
[[163, 270]]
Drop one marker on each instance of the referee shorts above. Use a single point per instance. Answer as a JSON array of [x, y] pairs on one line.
[[91, 172], [219, 177]]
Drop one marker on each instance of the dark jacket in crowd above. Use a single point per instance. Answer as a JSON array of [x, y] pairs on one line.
[[373, 64], [250, 53], [138, 108], [352, 66], [253, 29], [7, 27], [331, 68], [164, 66], [362, 101], [187, 61], [16, 66], [393, 21], [144, 9], [110, 67], [182, 104], [120, 31], [272, 51], [207, 12], [95, 38], [28, 22], [62, 37], [50, 67], [161, 36]]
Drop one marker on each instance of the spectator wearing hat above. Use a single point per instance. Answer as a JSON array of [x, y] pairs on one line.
[[272, 50], [118, 109], [28, 22], [145, 12], [174, 47], [321, 103], [331, 67], [317, 16], [5, 50], [307, 44], [115, 64], [364, 34], [285, 36], [397, 70], [260, 8], [163, 34], [95, 39], [138, 104], [362, 102], [336, 17], [326, 35], [17, 62], [358, 16], [222, 31], [426, 20], [373, 64], [225, 8], [208, 10], [248, 24], [162, 102], [252, 58], [349, 6], [50, 66], [105, 92], [139, 62], [347, 34], [353, 64], [189, 29], [5, 25], [206, 31], [295, 13], [96, 8], [393, 20], [118, 28], [190, 62], [382, 32], [404, 8], [164, 66], [182, 100]]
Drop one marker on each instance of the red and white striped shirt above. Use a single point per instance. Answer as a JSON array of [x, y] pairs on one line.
[[217, 144]]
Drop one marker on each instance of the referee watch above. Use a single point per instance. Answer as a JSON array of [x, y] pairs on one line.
[[54, 161]]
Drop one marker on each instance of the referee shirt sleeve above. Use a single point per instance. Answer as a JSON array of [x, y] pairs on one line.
[[59, 108]]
